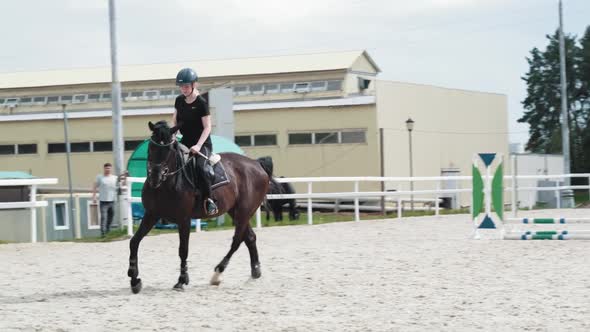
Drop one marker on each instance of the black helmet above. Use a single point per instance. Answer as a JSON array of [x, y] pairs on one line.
[[186, 76]]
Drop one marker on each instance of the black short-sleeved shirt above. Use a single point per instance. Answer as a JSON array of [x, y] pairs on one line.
[[189, 117]]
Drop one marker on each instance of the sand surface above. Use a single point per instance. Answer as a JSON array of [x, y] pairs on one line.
[[411, 274]]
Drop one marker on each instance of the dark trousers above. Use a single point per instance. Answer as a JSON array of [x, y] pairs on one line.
[[107, 212], [203, 174]]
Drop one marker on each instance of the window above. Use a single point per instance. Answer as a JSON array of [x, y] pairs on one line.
[[11, 101], [26, 100], [326, 138], [300, 138], [52, 99], [151, 94], [286, 87], [27, 148], [257, 89], [65, 99], [2, 101], [243, 140], [334, 85], [105, 96], [93, 214], [74, 147], [80, 147], [136, 94], [167, 93], [102, 146], [301, 87], [131, 145], [261, 140], [78, 99], [241, 91], [93, 97], [39, 100], [271, 88], [60, 215], [318, 86], [7, 149], [56, 148], [354, 137]]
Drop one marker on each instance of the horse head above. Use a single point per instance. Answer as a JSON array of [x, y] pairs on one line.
[[161, 151]]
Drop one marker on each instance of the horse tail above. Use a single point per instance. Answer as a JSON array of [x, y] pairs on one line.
[[267, 166]]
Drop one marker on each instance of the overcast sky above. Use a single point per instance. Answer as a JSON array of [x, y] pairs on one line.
[[467, 44]]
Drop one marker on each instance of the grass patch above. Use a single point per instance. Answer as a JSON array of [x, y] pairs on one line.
[[4, 242]]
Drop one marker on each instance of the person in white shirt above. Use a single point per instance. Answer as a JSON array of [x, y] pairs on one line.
[[106, 183]]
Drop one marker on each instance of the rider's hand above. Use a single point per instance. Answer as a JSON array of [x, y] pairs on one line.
[[196, 148]]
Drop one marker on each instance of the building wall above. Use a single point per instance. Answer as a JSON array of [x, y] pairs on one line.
[[15, 225], [359, 159], [450, 127]]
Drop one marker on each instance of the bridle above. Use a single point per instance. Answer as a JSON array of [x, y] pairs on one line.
[[164, 170]]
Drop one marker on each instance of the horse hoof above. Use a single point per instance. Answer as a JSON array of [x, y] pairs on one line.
[[256, 273], [215, 279], [178, 287], [136, 286]]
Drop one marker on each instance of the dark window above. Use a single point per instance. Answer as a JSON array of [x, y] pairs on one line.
[[80, 98], [26, 100], [271, 88], [1, 100], [260, 140], [7, 149], [167, 93], [60, 215], [257, 89], [39, 100], [65, 99], [74, 147], [243, 140], [132, 144], [105, 96], [136, 94], [103, 146], [334, 85], [300, 138], [52, 99], [353, 137], [93, 97], [286, 87], [318, 86], [56, 148], [241, 90], [326, 138], [80, 147], [27, 148]]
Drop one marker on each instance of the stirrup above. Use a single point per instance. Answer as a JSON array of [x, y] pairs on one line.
[[210, 207]]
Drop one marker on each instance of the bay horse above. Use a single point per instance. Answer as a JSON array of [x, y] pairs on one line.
[[167, 194]]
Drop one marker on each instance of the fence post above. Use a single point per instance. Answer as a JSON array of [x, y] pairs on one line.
[[258, 219], [436, 199], [356, 202], [557, 194], [514, 188], [129, 209], [33, 200], [399, 206], [309, 209]]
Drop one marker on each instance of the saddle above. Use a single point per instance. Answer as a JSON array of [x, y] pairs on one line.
[[189, 168]]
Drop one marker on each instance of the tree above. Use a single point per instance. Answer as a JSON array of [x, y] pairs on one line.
[[543, 101]]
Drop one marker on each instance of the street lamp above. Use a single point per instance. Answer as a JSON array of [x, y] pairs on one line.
[[410, 126]]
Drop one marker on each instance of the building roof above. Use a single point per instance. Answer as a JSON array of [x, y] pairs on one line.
[[205, 68], [15, 175]]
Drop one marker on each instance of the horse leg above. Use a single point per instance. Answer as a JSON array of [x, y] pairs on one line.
[[146, 225], [240, 230], [184, 232], [250, 240]]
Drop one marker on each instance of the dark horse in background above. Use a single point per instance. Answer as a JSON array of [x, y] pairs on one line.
[[166, 194], [276, 205], [275, 188]]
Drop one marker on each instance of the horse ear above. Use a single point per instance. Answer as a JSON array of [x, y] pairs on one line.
[[151, 125]]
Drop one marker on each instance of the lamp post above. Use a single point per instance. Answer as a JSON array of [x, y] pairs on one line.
[[410, 126]]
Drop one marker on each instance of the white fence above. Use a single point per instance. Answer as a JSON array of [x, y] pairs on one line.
[[31, 204], [398, 196]]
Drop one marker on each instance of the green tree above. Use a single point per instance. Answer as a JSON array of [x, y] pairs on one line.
[[543, 101]]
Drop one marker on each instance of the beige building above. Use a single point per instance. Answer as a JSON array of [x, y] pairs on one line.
[[315, 114]]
